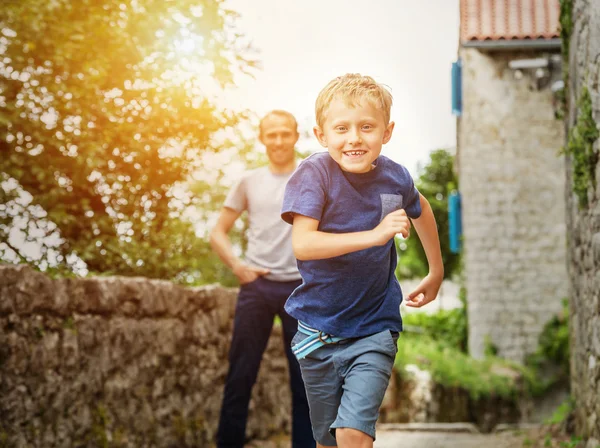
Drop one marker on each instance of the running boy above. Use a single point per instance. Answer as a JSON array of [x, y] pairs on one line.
[[346, 205]]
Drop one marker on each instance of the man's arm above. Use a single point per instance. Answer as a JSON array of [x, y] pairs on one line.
[[311, 244], [428, 234], [219, 241]]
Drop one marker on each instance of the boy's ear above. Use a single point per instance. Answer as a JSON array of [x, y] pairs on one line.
[[388, 132], [320, 136]]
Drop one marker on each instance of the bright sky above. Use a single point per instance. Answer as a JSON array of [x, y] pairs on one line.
[[408, 45]]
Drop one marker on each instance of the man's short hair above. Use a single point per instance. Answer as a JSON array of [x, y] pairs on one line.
[[353, 88], [279, 113]]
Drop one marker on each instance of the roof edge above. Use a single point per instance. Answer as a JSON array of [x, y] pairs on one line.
[[514, 44]]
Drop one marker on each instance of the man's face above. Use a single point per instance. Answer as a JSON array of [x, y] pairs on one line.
[[279, 135], [354, 135]]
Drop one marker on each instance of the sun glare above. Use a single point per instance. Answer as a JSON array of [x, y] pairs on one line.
[[189, 43], [191, 68], [185, 46]]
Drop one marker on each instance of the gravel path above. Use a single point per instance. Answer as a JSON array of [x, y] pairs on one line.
[[425, 439], [403, 439]]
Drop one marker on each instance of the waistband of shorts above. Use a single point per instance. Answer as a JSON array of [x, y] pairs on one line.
[[315, 340]]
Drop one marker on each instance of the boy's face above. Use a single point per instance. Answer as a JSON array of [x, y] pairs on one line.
[[279, 136], [354, 135]]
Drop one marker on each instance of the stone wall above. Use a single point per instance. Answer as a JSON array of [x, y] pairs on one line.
[[584, 228], [127, 361], [133, 362], [512, 184]]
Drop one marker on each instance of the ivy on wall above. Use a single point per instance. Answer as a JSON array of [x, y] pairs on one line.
[[584, 133], [581, 148], [566, 29]]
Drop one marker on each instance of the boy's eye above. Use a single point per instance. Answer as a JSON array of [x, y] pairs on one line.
[[367, 127], [340, 128]]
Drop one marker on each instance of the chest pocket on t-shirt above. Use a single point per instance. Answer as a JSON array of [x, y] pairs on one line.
[[389, 204]]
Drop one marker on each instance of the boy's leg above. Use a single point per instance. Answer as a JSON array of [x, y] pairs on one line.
[[323, 383], [302, 436], [368, 364], [251, 329], [348, 437]]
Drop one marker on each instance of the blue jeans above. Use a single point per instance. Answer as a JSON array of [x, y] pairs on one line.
[[258, 303]]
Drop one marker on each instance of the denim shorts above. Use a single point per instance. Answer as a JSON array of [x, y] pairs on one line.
[[345, 383]]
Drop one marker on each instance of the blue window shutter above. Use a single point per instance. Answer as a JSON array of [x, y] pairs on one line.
[[454, 221], [457, 88]]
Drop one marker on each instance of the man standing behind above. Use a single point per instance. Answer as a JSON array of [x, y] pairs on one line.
[[267, 277]]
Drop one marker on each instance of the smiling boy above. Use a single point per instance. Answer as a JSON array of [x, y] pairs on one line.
[[346, 205]]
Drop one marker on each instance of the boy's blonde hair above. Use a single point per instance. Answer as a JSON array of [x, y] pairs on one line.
[[352, 88]]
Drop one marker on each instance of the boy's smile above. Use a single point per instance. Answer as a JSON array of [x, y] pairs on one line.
[[354, 134]]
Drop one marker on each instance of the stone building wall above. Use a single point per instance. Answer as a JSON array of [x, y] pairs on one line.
[[122, 362], [584, 225], [512, 184]]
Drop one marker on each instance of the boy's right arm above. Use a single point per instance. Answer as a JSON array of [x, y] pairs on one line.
[[219, 241], [311, 244]]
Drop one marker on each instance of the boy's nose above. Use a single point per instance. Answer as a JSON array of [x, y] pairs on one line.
[[354, 138]]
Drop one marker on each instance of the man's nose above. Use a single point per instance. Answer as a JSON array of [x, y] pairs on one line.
[[278, 140]]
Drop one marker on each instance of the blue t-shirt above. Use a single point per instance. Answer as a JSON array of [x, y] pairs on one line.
[[355, 294]]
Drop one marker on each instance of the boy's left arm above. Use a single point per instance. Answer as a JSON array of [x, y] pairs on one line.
[[427, 230]]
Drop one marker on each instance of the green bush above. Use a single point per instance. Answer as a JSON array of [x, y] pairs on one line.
[[438, 343], [553, 354], [449, 326], [451, 367], [437, 180], [561, 413]]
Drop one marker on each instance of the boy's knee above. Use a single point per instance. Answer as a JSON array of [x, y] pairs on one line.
[[350, 437]]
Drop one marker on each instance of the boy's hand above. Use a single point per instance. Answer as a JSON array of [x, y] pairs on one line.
[[247, 274], [426, 292], [394, 223]]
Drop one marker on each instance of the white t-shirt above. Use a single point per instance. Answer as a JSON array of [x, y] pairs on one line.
[[260, 192]]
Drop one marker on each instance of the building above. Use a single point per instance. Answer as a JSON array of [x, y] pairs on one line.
[[511, 174]]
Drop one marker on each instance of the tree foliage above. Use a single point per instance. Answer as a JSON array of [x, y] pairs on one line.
[[436, 182], [107, 108]]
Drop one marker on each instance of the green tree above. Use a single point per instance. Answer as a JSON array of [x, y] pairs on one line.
[[106, 110], [436, 182]]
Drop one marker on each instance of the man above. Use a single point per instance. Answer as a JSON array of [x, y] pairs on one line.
[[267, 277]]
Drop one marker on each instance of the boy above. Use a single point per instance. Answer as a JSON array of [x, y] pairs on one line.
[[346, 205]]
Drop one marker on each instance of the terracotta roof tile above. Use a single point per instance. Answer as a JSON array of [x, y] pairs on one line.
[[508, 19]]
